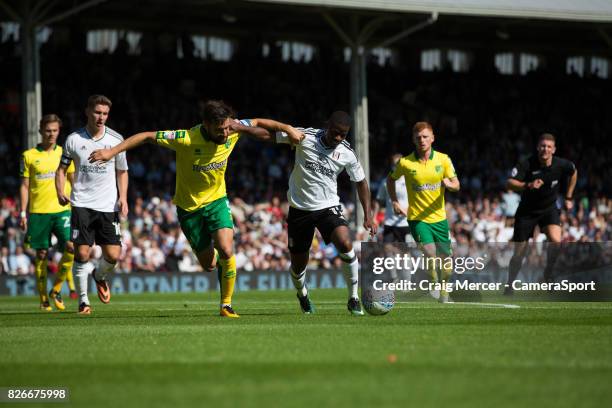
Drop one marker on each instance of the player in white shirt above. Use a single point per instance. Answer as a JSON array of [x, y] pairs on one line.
[[320, 157], [396, 225], [99, 194]]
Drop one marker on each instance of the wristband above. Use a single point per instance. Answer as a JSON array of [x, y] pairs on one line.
[[22, 214], [569, 198]]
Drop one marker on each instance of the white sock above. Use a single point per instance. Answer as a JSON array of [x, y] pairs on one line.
[[81, 271], [299, 281], [104, 268], [350, 268]]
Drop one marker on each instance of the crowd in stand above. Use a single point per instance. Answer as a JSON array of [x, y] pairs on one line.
[[485, 121]]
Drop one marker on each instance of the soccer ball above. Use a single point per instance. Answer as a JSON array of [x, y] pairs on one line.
[[378, 302]]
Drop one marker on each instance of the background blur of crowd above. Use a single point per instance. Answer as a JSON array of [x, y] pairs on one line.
[[484, 120]]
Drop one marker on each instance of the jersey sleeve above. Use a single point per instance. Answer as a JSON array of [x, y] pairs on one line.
[[569, 168], [66, 158], [121, 161], [173, 139], [24, 171], [520, 170], [398, 170], [449, 169], [71, 168], [354, 170], [282, 137]]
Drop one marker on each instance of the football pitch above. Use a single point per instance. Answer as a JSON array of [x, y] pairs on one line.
[[173, 350]]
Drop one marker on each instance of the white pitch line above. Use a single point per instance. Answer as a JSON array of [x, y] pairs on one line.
[[501, 305]]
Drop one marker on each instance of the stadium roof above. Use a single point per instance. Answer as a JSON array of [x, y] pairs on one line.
[[582, 10]]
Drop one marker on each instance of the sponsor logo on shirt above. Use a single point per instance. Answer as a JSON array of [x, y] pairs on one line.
[[93, 169], [320, 168], [209, 167], [426, 187], [45, 176]]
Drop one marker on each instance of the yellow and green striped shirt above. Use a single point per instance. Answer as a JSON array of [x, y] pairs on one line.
[[424, 185], [200, 165], [39, 167]]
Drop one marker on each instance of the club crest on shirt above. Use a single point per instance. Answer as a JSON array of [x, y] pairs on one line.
[[336, 155], [438, 169]]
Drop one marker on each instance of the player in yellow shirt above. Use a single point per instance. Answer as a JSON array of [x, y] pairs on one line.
[[202, 153], [428, 175], [46, 215]]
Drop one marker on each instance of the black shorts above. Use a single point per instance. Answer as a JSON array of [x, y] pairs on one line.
[[524, 223], [90, 226], [395, 234], [301, 225]]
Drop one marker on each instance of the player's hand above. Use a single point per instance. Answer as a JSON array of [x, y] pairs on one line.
[[23, 223], [569, 204], [63, 200], [123, 208], [371, 226], [398, 210], [100, 155], [235, 126], [295, 136], [447, 183], [535, 184]]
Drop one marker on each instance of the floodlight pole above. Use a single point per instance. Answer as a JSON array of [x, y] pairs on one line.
[[358, 83]]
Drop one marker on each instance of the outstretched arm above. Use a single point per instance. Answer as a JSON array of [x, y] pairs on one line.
[[295, 136], [131, 142], [263, 135], [363, 191]]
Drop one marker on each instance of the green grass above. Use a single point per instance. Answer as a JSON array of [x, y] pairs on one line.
[[174, 351]]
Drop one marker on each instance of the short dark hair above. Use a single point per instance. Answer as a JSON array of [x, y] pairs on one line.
[[217, 111], [49, 118], [339, 118], [547, 136], [94, 100]]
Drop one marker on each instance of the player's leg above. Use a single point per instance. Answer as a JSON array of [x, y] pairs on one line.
[[523, 230], [300, 231], [108, 236], [424, 237], [441, 233], [82, 235], [334, 228], [194, 225], [224, 243], [550, 224], [39, 238], [61, 229], [219, 224], [67, 263]]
